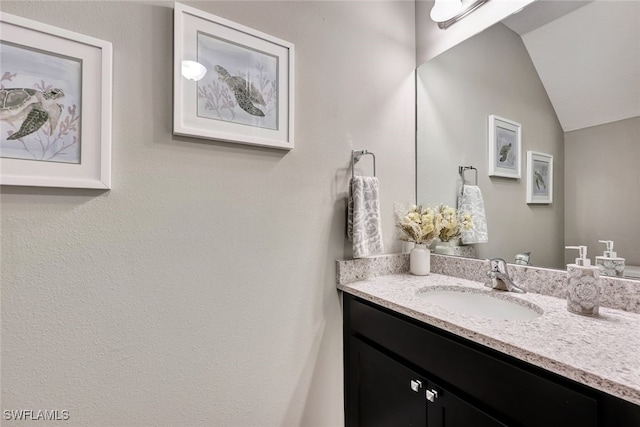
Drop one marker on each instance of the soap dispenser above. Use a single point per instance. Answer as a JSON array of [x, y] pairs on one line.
[[583, 293], [609, 263]]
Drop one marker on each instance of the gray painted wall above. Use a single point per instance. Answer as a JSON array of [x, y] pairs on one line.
[[490, 73], [200, 290], [601, 188]]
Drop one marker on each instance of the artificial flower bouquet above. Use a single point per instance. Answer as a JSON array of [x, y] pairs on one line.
[[422, 224], [452, 223]]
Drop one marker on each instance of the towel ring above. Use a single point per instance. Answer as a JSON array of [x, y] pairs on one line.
[[355, 158], [461, 171]]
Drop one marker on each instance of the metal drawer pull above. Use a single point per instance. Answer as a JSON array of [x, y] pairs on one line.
[[432, 395], [416, 385]]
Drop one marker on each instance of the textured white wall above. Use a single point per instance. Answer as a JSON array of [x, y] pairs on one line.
[[200, 290]]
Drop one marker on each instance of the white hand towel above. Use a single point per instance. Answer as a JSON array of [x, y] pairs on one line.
[[471, 202], [364, 227]]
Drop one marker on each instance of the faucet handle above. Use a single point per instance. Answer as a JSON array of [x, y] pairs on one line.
[[498, 265], [500, 277]]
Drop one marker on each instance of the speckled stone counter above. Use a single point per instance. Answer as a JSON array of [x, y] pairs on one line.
[[620, 293], [602, 352]]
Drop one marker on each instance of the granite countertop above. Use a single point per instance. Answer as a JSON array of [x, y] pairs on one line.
[[602, 352]]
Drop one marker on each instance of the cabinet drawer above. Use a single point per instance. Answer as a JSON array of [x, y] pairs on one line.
[[492, 379]]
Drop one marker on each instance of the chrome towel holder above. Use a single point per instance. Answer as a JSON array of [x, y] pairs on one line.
[[461, 171], [355, 158]]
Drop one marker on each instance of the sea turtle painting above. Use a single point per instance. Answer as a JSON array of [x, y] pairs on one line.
[[539, 180], [504, 152], [245, 93], [30, 109]]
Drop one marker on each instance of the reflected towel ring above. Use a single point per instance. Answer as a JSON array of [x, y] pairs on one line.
[[461, 171], [355, 157]]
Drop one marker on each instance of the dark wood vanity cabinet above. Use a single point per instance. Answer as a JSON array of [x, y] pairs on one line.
[[402, 372], [387, 399], [387, 393]]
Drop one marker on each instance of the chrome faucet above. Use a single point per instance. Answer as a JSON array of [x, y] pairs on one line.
[[500, 279]]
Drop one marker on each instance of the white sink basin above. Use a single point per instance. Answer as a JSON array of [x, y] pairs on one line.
[[478, 303]]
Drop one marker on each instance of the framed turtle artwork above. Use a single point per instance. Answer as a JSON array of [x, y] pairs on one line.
[[55, 106], [539, 178], [231, 83], [505, 142]]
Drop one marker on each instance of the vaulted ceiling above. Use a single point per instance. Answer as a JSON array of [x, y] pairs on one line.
[[587, 55]]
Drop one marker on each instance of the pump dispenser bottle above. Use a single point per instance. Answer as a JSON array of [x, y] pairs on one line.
[[609, 263], [583, 287]]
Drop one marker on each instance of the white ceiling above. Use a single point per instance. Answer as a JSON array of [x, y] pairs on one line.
[[587, 55]]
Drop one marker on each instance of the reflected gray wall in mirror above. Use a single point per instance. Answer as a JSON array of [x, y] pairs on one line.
[[596, 177]]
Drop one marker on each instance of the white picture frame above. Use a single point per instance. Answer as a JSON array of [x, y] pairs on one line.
[[57, 89], [539, 178], [246, 95], [505, 147]]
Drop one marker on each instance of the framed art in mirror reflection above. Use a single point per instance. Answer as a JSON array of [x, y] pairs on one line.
[[505, 145], [539, 178]]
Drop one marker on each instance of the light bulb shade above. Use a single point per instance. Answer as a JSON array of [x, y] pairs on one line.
[[443, 10], [193, 70]]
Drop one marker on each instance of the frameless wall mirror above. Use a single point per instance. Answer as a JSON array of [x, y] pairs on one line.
[[568, 72]]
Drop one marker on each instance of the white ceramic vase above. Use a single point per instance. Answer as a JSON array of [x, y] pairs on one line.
[[447, 248], [407, 247], [420, 260]]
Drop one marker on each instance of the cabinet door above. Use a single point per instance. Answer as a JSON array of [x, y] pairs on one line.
[[445, 409], [382, 392]]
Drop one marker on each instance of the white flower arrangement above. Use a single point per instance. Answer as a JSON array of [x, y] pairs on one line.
[[422, 225], [452, 223], [419, 225]]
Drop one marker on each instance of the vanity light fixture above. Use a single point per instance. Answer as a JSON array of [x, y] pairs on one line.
[[443, 10], [448, 12]]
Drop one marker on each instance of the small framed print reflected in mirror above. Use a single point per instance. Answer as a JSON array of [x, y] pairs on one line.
[[539, 177], [505, 145]]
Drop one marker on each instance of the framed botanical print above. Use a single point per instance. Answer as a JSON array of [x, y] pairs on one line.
[[505, 145], [539, 177], [231, 82], [55, 106]]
